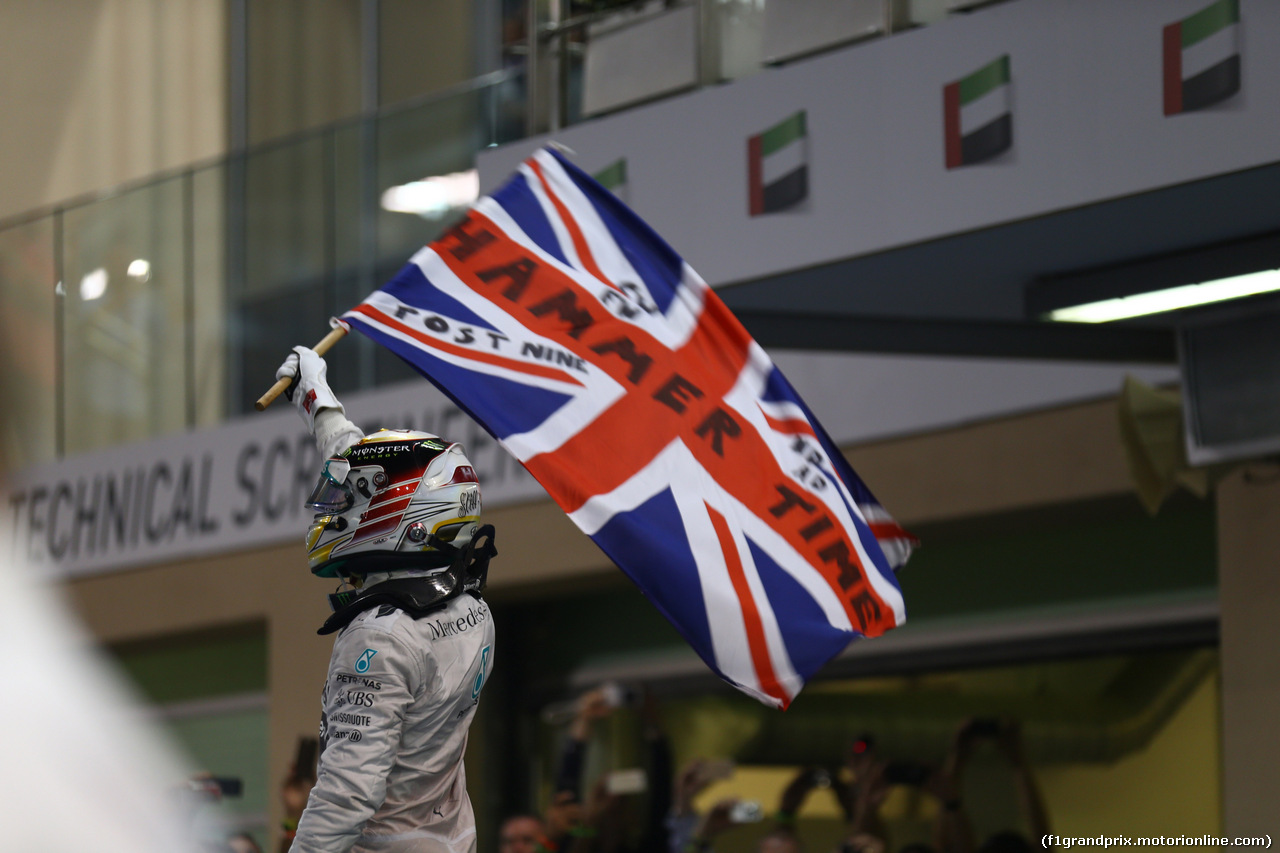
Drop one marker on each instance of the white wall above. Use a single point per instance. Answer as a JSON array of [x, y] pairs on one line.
[[1088, 126]]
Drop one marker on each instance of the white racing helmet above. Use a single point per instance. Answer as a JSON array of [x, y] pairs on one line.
[[396, 499]]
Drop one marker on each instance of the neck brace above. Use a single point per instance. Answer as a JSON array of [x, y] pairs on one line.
[[422, 591], [415, 596]]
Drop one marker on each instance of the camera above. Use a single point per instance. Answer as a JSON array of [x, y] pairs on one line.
[[616, 695], [216, 787], [623, 782]]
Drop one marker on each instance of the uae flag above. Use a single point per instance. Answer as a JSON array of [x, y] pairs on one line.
[[1202, 58], [778, 166], [976, 115], [614, 177]]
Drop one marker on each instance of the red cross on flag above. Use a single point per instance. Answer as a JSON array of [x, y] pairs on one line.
[[572, 332]]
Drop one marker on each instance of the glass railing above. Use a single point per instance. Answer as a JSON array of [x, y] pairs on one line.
[[168, 304], [607, 55]]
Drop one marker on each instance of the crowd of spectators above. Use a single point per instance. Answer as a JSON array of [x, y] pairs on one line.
[[594, 820]]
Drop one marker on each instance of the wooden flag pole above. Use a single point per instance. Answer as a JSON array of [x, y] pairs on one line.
[[338, 332]]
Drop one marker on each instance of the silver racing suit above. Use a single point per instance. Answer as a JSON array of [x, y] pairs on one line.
[[397, 703], [396, 706]]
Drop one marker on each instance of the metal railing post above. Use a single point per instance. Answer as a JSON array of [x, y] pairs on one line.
[[59, 339], [700, 32], [532, 79], [559, 76], [368, 182], [189, 293], [238, 73]]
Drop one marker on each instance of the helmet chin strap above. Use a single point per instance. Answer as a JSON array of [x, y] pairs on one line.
[[419, 590], [374, 578]]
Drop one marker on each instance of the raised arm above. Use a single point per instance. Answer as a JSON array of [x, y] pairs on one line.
[[316, 403], [1029, 800]]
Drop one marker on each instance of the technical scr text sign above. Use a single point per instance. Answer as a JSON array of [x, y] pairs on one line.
[[235, 486]]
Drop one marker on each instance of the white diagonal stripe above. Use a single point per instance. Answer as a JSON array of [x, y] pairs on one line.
[[566, 423], [443, 278], [606, 253], [681, 317], [637, 489], [553, 216], [780, 660], [558, 429], [383, 302], [597, 391], [439, 274], [801, 571], [729, 643], [744, 400], [672, 329], [601, 392]]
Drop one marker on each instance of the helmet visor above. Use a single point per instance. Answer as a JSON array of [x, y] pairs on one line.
[[331, 493]]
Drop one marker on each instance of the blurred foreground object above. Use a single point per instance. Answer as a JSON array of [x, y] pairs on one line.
[[81, 772], [1151, 431]]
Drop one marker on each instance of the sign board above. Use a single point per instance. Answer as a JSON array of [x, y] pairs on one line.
[[1082, 104], [242, 484], [238, 485]]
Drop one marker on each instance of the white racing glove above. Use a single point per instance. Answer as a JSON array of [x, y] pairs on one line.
[[310, 389]]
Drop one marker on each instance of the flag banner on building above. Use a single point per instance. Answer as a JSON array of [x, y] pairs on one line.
[[614, 177], [598, 358], [778, 166], [977, 120], [1202, 58]]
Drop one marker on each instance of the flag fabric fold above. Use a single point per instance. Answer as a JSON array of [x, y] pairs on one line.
[[598, 358]]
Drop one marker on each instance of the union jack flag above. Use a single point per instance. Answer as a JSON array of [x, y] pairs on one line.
[[565, 326]]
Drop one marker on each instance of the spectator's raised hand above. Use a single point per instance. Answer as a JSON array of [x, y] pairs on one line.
[[793, 796], [600, 829], [715, 821], [688, 785], [944, 786], [952, 831], [694, 779], [650, 715], [1009, 739], [871, 786], [592, 705], [866, 794], [601, 805]]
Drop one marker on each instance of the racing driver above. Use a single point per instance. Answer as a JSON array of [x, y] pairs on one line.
[[398, 521]]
